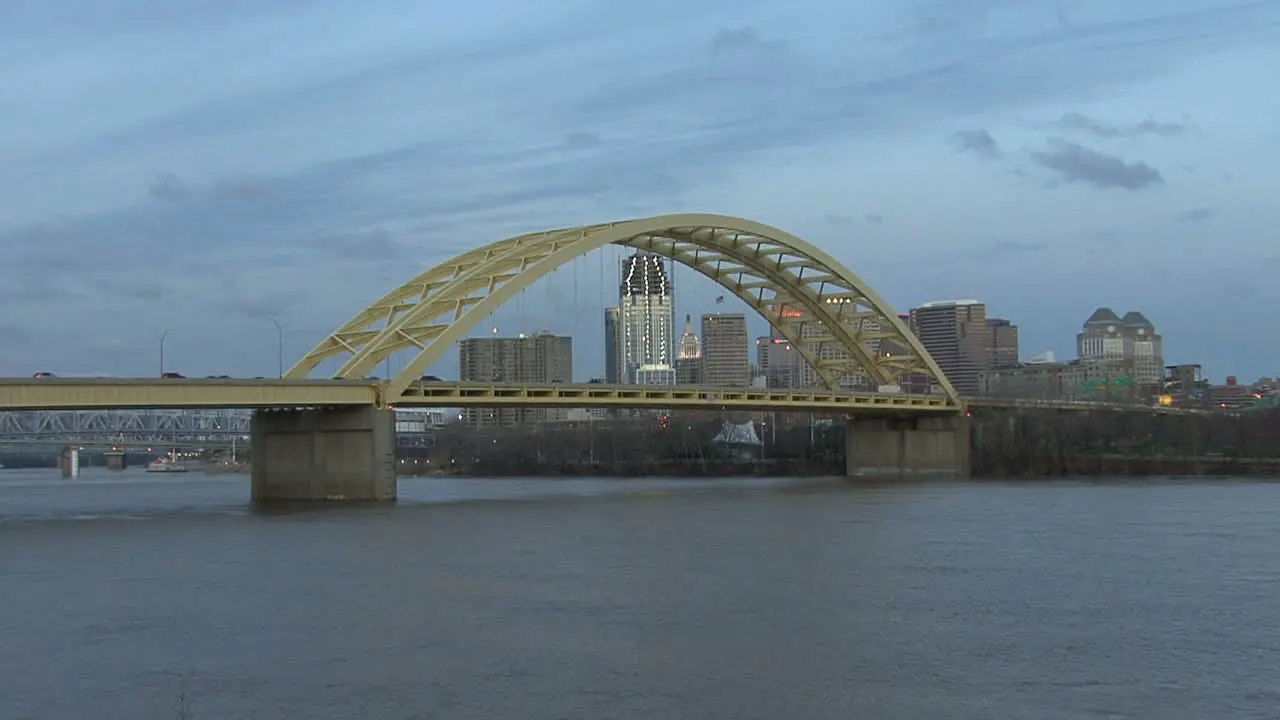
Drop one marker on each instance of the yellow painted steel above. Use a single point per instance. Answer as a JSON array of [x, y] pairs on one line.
[[839, 325], [150, 393], [651, 396], [102, 393]]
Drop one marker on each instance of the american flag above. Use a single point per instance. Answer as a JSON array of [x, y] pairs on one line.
[[719, 299]]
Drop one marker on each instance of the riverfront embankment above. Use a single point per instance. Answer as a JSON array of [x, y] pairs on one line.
[[1004, 443]]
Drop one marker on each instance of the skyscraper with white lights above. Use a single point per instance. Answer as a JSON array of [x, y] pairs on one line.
[[645, 309]]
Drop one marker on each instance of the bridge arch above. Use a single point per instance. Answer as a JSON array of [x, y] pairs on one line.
[[839, 325]]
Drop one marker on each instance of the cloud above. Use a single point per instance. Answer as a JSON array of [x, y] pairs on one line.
[[1074, 121], [978, 142], [1197, 215], [364, 145], [1078, 164], [744, 41], [168, 188]]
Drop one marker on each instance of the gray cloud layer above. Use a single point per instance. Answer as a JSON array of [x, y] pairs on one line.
[[1083, 123], [1075, 163], [978, 142], [411, 157]]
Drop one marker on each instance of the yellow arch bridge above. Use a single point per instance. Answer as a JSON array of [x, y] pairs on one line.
[[334, 437]]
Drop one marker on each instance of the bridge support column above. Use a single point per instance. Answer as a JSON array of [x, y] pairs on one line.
[[115, 461], [342, 454], [69, 462], [910, 447]]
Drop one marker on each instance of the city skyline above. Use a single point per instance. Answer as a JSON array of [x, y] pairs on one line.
[[696, 299], [1108, 345], [1042, 159]]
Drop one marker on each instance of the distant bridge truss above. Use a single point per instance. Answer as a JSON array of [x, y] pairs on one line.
[[128, 427], [136, 429]]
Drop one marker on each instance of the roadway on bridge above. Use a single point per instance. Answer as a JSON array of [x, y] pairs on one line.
[[150, 393]]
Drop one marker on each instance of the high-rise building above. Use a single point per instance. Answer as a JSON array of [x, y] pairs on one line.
[[788, 314], [831, 351], [955, 333], [662, 375], [911, 382], [779, 362], [645, 316], [1002, 344], [539, 358], [1101, 337], [1108, 337], [611, 342], [689, 356], [725, 359]]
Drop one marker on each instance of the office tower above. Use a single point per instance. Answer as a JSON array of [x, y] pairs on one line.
[[645, 316], [725, 358], [690, 347], [612, 340], [832, 351], [955, 333], [689, 356], [787, 314], [910, 382], [539, 358], [825, 351], [1002, 344], [780, 362], [1108, 337], [662, 375]]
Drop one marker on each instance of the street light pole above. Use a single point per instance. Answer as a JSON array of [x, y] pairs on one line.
[[163, 336], [279, 346]]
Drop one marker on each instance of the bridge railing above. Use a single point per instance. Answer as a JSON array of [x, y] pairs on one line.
[[571, 395], [987, 401]]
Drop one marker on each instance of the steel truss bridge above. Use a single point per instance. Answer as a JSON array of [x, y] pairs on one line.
[[142, 429], [845, 331], [838, 324], [124, 427]]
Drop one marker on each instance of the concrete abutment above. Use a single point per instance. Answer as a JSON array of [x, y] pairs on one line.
[[889, 448], [335, 454]]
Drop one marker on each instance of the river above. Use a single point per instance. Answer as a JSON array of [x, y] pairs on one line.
[[744, 599]]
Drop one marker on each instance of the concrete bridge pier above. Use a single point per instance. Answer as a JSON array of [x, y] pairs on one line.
[[69, 462], [115, 460], [336, 454], [900, 448]]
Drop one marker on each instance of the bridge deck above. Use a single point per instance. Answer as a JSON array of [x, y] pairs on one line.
[[156, 394], [148, 393]]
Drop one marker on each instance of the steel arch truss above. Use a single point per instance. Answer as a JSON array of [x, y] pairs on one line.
[[841, 327]]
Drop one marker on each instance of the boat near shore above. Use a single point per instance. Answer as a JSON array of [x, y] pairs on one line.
[[166, 465]]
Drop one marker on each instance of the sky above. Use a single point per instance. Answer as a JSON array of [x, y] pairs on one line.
[[196, 171]]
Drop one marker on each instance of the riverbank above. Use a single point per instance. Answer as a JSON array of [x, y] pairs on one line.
[[1137, 466], [1087, 466]]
